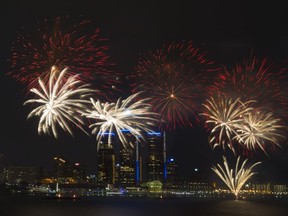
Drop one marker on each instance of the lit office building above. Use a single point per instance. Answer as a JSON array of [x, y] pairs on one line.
[[280, 188], [138, 165], [263, 188], [106, 165], [130, 161], [199, 186], [171, 172], [155, 158], [127, 167], [62, 169], [79, 172], [117, 174]]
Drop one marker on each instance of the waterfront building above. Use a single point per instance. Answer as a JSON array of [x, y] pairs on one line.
[[20, 174], [138, 165], [106, 165], [79, 172], [280, 188], [171, 173], [155, 186], [130, 161], [62, 169], [155, 158], [199, 186], [66, 172], [261, 188], [127, 167]]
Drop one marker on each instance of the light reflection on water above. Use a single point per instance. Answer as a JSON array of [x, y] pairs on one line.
[[22, 206]]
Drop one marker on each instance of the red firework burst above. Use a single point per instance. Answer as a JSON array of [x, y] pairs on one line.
[[257, 79], [58, 44], [175, 78]]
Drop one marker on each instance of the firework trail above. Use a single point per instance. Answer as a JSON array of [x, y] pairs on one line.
[[59, 103], [223, 117], [235, 178], [175, 78], [128, 114], [58, 44]]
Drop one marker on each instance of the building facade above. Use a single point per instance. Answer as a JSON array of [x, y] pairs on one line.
[[127, 175], [19, 174], [171, 173], [106, 165], [155, 157]]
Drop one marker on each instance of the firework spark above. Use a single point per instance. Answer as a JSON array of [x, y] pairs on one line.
[[58, 44], [234, 178], [259, 130], [174, 78], [122, 115], [224, 116], [60, 101]]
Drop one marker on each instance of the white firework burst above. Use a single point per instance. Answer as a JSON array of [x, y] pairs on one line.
[[122, 115], [259, 130], [60, 101], [224, 116]]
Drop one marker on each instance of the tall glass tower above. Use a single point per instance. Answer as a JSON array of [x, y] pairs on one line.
[[138, 164], [171, 177], [130, 161], [155, 159], [127, 167], [106, 165]]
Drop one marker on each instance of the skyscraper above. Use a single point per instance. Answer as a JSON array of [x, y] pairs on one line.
[[127, 167], [155, 158], [106, 165], [130, 161], [138, 164], [171, 178], [61, 169], [79, 172]]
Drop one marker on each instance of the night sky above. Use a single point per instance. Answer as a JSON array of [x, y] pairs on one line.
[[227, 30]]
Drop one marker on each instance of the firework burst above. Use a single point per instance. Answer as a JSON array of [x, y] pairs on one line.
[[259, 130], [60, 101], [174, 78], [128, 114], [224, 116], [257, 79], [235, 178], [58, 44]]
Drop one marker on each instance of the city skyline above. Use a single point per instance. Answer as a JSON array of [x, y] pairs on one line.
[[140, 150], [228, 33]]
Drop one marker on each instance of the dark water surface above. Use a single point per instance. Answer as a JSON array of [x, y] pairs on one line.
[[127, 206]]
